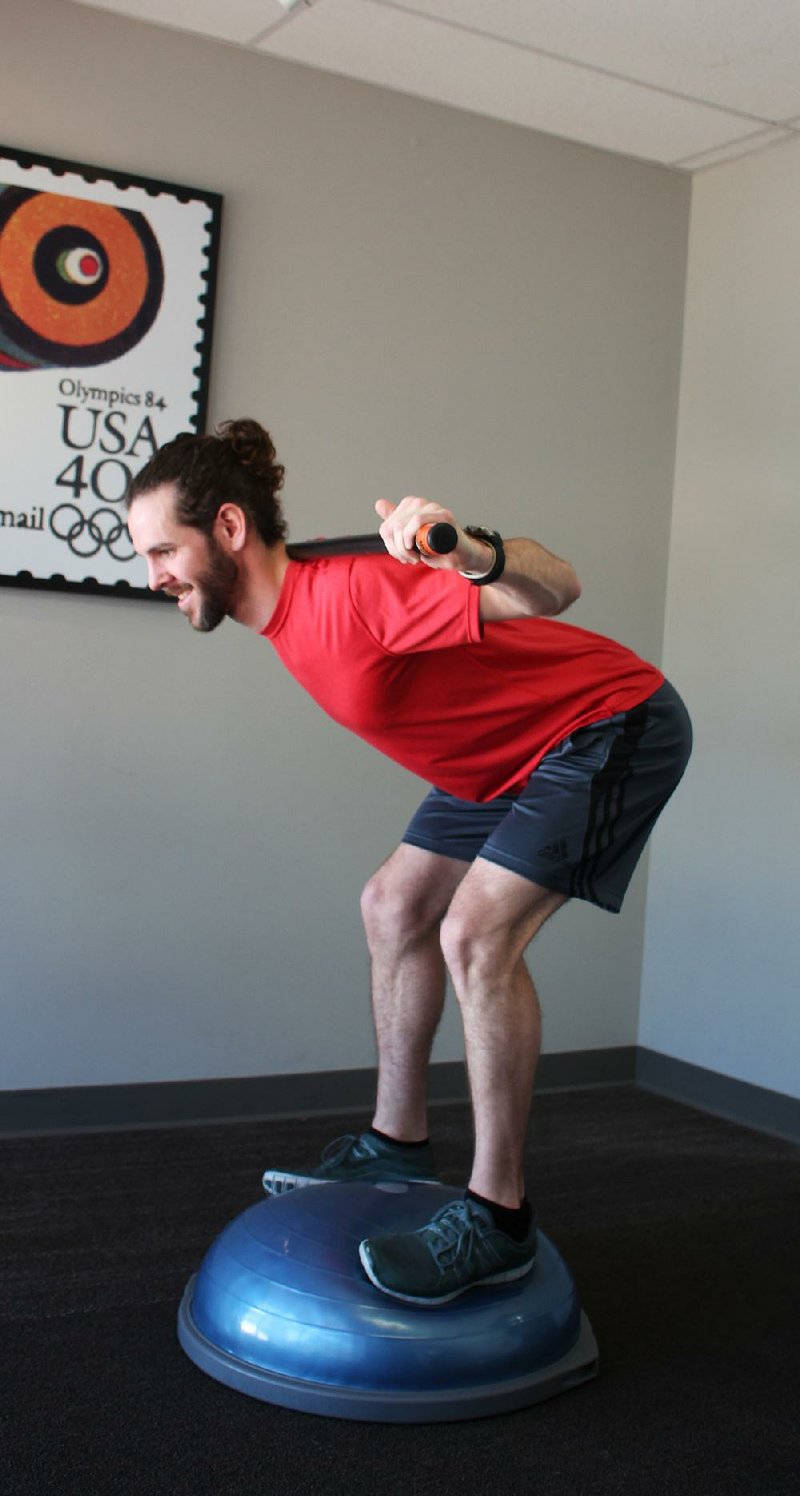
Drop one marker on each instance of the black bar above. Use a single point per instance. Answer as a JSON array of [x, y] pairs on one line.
[[441, 537], [339, 545]]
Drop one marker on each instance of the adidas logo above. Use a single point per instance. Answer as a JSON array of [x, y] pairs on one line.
[[555, 852]]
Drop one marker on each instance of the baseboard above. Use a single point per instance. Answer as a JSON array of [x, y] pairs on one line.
[[191, 1102], [176, 1103], [722, 1095]]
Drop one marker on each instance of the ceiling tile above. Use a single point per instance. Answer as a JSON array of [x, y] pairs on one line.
[[385, 45], [232, 21], [737, 54]]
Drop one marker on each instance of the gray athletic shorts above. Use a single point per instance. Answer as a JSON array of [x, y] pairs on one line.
[[581, 823]]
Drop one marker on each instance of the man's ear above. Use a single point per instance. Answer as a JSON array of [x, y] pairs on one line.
[[230, 527]]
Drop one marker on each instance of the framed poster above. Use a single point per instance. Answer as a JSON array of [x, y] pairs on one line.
[[107, 288]]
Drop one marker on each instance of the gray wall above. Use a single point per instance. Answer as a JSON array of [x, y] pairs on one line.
[[414, 300], [723, 937]]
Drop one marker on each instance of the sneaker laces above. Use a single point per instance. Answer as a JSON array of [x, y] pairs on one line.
[[347, 1146], [453, 1232]]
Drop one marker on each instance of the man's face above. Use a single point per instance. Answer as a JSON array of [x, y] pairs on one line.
[[182, 561]]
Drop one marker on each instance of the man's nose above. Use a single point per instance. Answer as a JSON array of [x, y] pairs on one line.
[[156, 573]]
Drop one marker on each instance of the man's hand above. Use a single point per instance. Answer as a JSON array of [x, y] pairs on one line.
[[399, 529], [534, 584]]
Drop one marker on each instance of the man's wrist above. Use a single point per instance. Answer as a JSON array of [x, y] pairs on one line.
[[494, 540]]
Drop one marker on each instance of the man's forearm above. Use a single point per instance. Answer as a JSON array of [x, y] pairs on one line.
[[534, 584]]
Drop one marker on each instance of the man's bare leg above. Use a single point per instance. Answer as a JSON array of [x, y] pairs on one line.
[[492, 918], [403, 906]]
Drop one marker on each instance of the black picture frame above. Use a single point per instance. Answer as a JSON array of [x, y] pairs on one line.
[[107, 300]]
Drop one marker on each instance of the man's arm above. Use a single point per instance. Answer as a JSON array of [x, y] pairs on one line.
[[534, 584]]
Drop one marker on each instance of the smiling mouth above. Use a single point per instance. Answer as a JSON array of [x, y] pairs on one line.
[[180, 594]]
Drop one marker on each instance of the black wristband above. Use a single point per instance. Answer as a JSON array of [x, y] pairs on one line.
[[495, 540]]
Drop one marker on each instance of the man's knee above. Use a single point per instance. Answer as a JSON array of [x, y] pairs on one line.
[[407, 897], [474, 955], [484, 937], [381, 899]]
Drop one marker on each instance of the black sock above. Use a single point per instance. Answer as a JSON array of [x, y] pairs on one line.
[[514, 1223], [397, 1142]]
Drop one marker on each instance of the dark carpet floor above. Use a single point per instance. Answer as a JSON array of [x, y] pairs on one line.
[[682, 1232]]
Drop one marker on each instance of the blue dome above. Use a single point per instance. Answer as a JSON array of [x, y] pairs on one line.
[[282, 1310]]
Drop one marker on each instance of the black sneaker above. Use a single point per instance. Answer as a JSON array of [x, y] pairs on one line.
[[355, 1160], [460, 1248]]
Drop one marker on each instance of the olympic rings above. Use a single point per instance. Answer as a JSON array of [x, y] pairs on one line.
[[97, 539]]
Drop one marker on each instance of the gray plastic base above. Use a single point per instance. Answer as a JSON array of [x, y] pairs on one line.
[[578, 1366]]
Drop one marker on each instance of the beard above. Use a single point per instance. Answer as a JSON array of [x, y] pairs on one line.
[[215, 588]]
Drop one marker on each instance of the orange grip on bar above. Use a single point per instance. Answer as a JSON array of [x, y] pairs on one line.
[[436, 539]]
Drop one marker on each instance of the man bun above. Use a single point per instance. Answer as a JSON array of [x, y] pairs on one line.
[[252, 448]]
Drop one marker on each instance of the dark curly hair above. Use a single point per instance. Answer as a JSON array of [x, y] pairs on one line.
[[234, 466]]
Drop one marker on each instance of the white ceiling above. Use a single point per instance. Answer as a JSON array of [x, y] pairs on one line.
[[687, 83]]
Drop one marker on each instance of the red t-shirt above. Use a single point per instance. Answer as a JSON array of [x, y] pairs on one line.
[[398, 655]]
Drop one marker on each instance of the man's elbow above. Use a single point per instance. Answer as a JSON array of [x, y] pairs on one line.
[[570, 592]]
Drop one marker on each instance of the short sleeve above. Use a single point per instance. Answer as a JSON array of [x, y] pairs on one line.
[[408, 609]]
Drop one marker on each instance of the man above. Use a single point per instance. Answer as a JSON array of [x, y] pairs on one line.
[[551, 751]]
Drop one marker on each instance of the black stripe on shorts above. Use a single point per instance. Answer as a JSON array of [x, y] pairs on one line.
[[607, 804]]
